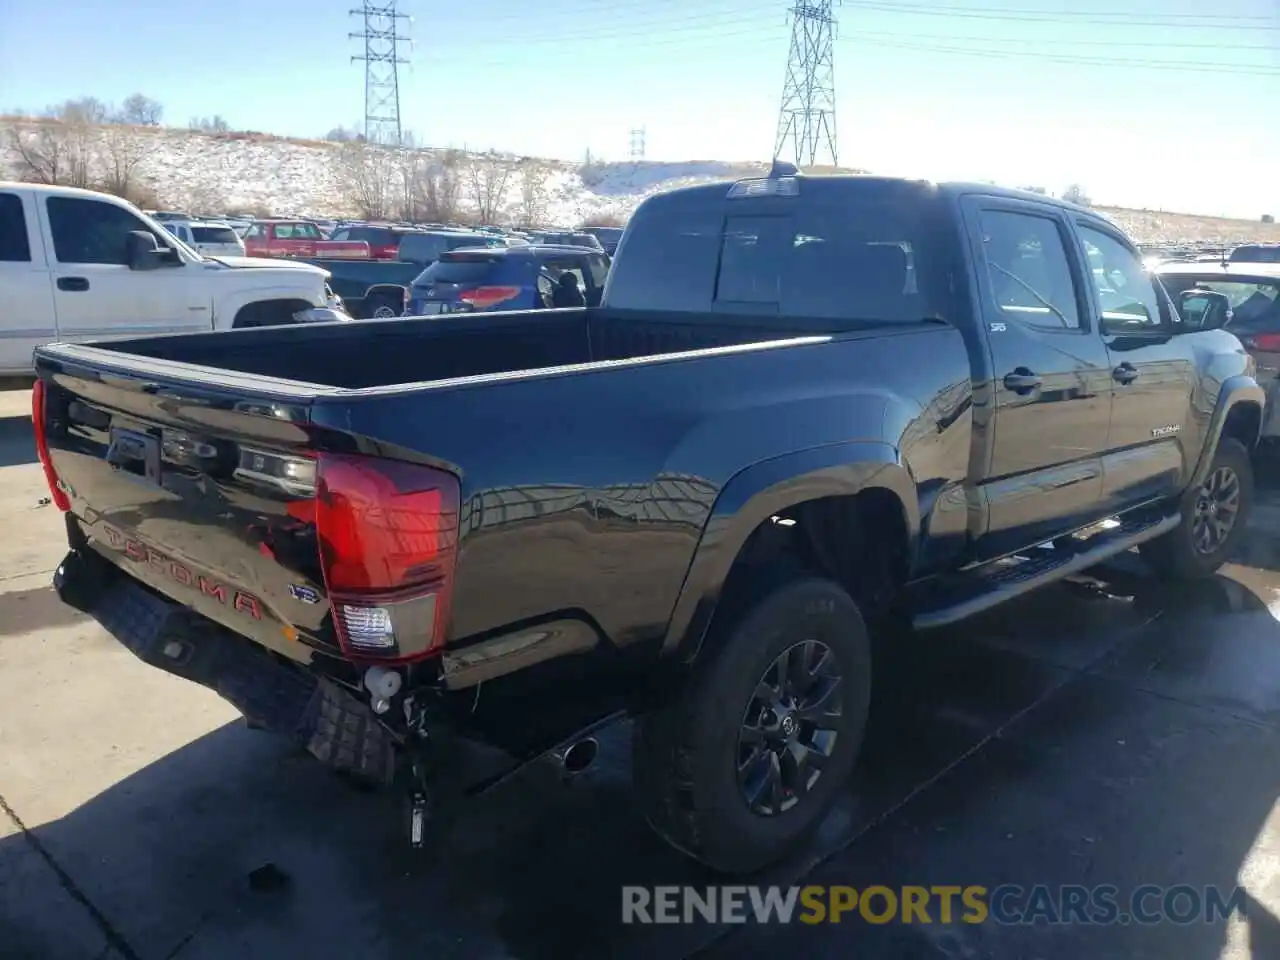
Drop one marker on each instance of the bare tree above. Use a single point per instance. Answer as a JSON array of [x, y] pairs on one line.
[[124, 150], [448, 185], [368, 177], [141, 111], [343, 135], [488, 174], [39, 150], [534, 175], [214, 124], [87, 110], [604, 219], [1075, 194]]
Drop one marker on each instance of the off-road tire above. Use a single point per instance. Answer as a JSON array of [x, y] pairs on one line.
[[1174, 555], [684, 752]]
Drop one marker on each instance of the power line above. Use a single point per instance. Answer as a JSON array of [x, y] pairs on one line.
[[755, 38], [712, 25], [381, 36], [1083, 42], [1165, 21], [1180, 65], [807, 118]]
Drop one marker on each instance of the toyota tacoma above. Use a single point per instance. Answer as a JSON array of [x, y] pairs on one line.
[[807, 408]]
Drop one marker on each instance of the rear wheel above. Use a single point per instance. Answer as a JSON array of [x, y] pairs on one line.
[[382, 308], [1214, 515], [746, 761]]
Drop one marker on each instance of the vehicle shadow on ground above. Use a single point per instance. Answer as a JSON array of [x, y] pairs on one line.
[[535, 868], [1104, 730], [26, 611], [17, 443]]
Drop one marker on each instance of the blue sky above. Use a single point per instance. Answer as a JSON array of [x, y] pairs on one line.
[[1159, 103]]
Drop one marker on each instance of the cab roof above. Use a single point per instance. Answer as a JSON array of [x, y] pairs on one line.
[[1217, 270], [825, 184]]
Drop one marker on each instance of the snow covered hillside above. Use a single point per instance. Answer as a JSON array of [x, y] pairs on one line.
[[260, 174], [221, 173]]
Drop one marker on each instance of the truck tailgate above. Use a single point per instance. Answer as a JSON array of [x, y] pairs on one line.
[[203, 493]]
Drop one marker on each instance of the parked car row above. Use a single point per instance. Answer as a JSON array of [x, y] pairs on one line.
[[79, 265]]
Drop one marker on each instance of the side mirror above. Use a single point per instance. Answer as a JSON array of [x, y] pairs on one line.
[[1204, 309], [145, 252]]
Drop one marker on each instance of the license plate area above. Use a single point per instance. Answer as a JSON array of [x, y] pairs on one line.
[[135, 452]]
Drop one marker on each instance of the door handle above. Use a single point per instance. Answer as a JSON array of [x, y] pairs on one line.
[[73, 284], [1125, 373], [1021, 380]]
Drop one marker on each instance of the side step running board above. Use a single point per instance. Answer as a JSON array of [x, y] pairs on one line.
[[974, 591]]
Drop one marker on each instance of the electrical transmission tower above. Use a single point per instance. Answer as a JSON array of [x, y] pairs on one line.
[[807, 120], [637, 144], [381, 36]]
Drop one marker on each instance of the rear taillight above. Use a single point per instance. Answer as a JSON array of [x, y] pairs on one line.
[[1266, 342], [38, 427], [388, 534], [408, 295], [484, 297]]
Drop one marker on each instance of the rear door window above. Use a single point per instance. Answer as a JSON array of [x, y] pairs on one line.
[[14, 245], [1028, 270]]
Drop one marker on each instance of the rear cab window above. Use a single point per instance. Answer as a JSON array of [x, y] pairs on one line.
[[839, 252], [214, 235], [463, 268]]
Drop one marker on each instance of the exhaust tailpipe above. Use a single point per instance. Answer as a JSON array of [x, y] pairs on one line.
[[578, 756]]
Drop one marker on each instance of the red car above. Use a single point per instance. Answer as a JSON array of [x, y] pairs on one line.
[[297, 238]]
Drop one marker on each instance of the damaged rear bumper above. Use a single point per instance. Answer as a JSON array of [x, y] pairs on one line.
[[323, 716]]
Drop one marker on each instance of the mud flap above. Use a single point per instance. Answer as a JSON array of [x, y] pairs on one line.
[[331, 723]]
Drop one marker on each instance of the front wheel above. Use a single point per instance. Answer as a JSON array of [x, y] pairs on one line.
[[1214, 516], [744, 763]]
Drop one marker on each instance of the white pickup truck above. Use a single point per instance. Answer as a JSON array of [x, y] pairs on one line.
[[79, 265]]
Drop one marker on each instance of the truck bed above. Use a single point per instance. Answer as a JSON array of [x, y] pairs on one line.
[[382, 353]]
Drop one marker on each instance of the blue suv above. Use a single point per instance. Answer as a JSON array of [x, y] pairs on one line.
[[514, 278]]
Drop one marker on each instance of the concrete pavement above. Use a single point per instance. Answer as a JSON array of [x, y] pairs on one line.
[[1108, 730]]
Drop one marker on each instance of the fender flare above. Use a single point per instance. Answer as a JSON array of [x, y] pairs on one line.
[[386, 290], [762, 490], [230, 304], [1234, 391]]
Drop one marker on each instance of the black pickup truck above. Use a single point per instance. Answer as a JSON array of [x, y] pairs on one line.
[[378, 289], [808, 407]]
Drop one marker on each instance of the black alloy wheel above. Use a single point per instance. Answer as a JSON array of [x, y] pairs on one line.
[[790, 728]]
